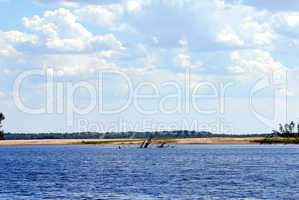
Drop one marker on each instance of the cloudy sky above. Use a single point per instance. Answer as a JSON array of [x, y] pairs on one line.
[[223, 66]]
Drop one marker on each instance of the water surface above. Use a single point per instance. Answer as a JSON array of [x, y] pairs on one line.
[[183, 172]]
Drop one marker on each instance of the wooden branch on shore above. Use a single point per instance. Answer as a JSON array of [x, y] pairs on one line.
[[145, 144], [142, 144]]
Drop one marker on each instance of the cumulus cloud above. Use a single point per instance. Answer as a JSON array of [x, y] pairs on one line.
[[57, 23], [56, 39], [104, 15], [154, 41], [287, 23], [161, 27], [60, 31], [18, 37], [229, 37], [85, 64], [183, 58], [10, 39], [257, 33], [255, 63], [227, 23]]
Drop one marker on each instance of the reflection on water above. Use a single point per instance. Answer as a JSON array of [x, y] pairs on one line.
[[183, 172]]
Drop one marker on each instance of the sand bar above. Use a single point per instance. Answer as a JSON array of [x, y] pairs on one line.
[[216, 140]]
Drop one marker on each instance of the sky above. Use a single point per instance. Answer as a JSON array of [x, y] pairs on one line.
[[225, 66]]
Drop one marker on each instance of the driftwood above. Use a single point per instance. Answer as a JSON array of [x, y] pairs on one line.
[[145, 144], [161, 145], [142, 144]]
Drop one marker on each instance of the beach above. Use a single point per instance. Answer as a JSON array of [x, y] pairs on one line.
[[211, 140]]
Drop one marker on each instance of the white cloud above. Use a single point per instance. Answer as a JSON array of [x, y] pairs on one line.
[[69, 4], [229, 37], [154, 41], [66, 45], [133, 6], [183, 58], [81, 64], [7, 50], [104, 15], [9, 39], [107, 41], [234, 25], [60, 23], [258, 34], [286, 22], [255, 63], [60, 31], [18, 37], [230, 24]]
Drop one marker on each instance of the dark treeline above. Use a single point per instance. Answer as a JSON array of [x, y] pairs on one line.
[[95, 135], [2, 118], [112, 135], [288, 130]]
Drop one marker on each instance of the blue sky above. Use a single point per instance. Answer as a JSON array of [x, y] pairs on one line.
[[222, 66]]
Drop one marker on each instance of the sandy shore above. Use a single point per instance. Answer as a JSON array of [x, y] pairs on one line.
[[216, 140]]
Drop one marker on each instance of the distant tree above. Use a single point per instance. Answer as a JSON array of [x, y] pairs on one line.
[[2, 117], [292, 126], [281, 129], [286, 129]]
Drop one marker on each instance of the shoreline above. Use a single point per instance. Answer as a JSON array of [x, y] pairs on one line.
[[210, 140]]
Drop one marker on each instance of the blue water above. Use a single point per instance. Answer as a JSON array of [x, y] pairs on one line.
[[183, 172]]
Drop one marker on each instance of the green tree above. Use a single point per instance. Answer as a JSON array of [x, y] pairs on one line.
[[281, 129], [2, 117], [292, 127]]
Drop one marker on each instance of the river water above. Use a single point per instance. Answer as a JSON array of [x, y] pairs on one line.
[[180, 172]]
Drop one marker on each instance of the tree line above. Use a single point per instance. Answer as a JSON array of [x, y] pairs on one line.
[[2, 118], [124, 135], [288, 130], [284, 131], [109, 135]]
